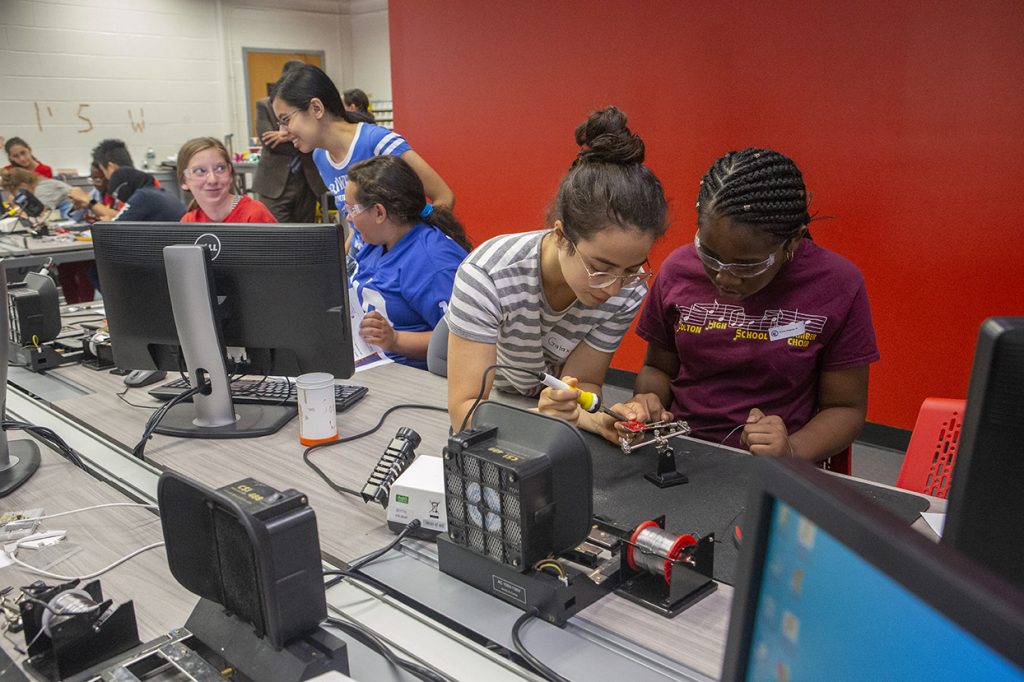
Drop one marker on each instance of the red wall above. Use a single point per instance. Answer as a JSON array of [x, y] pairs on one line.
[[907, 119]]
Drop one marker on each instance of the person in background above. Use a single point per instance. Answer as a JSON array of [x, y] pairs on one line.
[[139, 198], [99, 190], [757, 336], [52, 193], [20, 156], [287, 180], [205, 170], [559, 300], [311, 112], [403, 275], [110, 154], [358, 103]]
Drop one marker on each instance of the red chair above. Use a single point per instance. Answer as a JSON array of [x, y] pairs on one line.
[[928, 465]]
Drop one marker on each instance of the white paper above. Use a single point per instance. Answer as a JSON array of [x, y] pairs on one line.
[[936, 521], [366, 355]]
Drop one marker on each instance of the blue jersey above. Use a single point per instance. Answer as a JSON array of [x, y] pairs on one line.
[[411, 284], [370, 140]]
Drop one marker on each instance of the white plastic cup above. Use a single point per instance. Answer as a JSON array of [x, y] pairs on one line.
[[318, 419]]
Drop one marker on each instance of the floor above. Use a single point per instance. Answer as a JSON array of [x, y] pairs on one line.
[[876, 464]]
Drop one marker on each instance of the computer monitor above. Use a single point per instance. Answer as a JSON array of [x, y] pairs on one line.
[[834, 587], [986, 494], [19, 459], [278, 291]]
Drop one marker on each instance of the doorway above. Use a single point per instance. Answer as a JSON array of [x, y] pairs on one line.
[[262, 69]]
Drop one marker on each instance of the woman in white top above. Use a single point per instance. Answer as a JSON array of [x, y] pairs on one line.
[[560, 300]]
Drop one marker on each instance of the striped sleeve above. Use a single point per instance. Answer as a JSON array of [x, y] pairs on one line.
[[390, 143], [474, 311], [607, 335]]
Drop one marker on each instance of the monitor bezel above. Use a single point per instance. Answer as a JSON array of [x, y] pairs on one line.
[[969, 595]]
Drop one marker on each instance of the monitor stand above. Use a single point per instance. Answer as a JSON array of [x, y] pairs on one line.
[[19, 459], [212, 415]]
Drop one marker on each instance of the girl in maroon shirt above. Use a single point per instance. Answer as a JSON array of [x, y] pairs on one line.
[[757, 336]]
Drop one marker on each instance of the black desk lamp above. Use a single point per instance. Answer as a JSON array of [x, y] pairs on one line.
[[19, 459]]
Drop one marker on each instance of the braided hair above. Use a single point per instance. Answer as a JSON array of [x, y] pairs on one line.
[[607, 183], [757, 187]]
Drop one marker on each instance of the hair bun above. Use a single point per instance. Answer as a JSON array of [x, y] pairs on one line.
[[605, 138]]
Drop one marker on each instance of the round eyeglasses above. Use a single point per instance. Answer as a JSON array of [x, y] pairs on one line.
[[202, 172], [352, 210], [603, 280], [741, 270]]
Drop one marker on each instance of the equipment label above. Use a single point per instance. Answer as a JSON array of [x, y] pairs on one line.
[[508, 589]]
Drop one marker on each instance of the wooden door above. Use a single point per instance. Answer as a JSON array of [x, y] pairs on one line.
[[263, 68]]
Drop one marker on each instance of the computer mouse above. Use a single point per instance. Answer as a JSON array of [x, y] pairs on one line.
[[143, 377]]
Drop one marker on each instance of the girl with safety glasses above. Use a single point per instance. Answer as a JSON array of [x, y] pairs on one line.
[[757, 336], [559, 300]]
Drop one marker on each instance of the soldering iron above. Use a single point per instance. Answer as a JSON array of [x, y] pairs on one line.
[[591, 402]]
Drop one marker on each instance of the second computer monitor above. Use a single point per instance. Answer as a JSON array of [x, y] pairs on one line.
[[280, 293], [832, 587], [985, 496]]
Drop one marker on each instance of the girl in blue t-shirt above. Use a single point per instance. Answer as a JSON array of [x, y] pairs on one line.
[[311, 111], [404, 272]]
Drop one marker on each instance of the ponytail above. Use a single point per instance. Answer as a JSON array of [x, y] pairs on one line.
[[392, 183]]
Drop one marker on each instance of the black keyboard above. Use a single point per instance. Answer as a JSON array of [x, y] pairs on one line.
[[267, 392]]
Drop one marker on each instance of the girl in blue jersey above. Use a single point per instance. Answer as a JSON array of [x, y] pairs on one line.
[[311, 111], [403, 274]]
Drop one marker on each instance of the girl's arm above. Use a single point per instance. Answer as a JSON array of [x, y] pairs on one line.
[[587, 366], [842, 409], [467, 361], [435, 187]]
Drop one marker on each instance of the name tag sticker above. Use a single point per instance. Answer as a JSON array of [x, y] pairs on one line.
[[787, 331]]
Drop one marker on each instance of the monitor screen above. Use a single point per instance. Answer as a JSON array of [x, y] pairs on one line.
[[983, 519], [280, 293], [833, 588]]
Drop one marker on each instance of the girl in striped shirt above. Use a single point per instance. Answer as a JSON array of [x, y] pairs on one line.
[[559, 300]]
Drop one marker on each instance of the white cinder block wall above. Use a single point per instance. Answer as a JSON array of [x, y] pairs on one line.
[[157, 72]]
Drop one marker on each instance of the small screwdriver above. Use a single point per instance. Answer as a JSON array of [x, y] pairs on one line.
[[591, 402]]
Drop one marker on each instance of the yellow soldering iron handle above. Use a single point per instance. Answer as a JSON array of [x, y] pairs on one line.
[[591, 402]]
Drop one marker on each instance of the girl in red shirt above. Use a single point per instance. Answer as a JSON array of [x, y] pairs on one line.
[[20, 156], [205, 170]]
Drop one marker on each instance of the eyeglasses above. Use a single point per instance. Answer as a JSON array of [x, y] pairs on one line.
[[284, 119], [353, 209], [603, 280], [741, 270], [201, 172]]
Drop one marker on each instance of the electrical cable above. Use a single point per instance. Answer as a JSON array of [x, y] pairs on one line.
[[348, 439], [373, 556], [50, 436], [128, 402], [95, 506], [154, 419], [734, 430], [483, 388], [371, 640], [534, 662], [95, 574]]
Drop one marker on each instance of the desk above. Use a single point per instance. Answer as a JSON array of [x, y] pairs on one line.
[[24, 251], [160, 603], [611, 638], [104, 535]]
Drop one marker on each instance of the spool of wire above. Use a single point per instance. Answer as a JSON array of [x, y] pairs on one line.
[[65, 605], [653, 549]]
